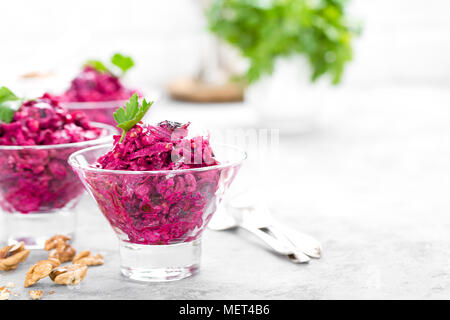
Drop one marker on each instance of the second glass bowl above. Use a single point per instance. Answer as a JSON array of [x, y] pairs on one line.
[[97, 111], [39, 190]]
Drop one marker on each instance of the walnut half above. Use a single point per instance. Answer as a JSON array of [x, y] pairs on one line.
[[63, 254], [56, 241], [60, 248], [4, 293], [40, 270], [11, 256], [69, 275], [85, 258], [35, 294]]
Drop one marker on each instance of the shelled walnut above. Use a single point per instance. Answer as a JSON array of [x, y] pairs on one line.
[[85, 258], [55, 241], [59, 248], [63, 254], [11, 256], [4, 293], [40, 270], [69, 275], [35, 294]]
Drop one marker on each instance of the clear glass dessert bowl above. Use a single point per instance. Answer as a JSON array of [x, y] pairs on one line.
[[158, 216], [39, 190], [97, 111]]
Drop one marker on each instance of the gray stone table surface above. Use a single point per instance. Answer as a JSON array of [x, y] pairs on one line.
[[371, 181]]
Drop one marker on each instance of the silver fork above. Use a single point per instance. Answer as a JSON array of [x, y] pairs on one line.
[[258, 221]]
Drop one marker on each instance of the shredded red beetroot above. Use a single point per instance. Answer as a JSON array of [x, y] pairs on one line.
[[43, 121], [40, 180], [157, 208], [161, 147], [92, 85]]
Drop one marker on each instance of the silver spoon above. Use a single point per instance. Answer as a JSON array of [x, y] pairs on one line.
[[222, 220], [248, 207]]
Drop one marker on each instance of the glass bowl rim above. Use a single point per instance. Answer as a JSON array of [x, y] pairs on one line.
[[106, 104], [111, 132], [75, 165], [93, 104]]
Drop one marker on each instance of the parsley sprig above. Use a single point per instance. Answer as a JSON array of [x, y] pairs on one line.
[[264, 31], [8, 104], [124, 63], [118, 60], [97, 65], [129, 116]]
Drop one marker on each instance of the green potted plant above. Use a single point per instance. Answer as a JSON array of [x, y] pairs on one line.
[[288, 44]]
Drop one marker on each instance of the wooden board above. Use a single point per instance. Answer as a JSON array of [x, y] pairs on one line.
[[197, 91]]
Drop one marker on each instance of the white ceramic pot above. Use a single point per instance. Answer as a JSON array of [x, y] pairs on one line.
[[287, 100]]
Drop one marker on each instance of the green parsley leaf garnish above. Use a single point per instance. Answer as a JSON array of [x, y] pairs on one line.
[[266, 31], [97, 65], [6, 114], [123, 62], [7, 104], [7, 95], [129, 116]]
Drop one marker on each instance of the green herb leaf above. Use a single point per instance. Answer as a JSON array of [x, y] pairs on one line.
[[123, 62], [264, 31], [97, 65], [7, 95], [129, 116], [8, 104], [6, 113]]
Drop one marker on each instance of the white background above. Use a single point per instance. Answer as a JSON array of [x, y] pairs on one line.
[[405, 42], [371, 182]]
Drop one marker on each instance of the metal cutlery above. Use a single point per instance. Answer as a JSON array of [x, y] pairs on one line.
[[296, 246]]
